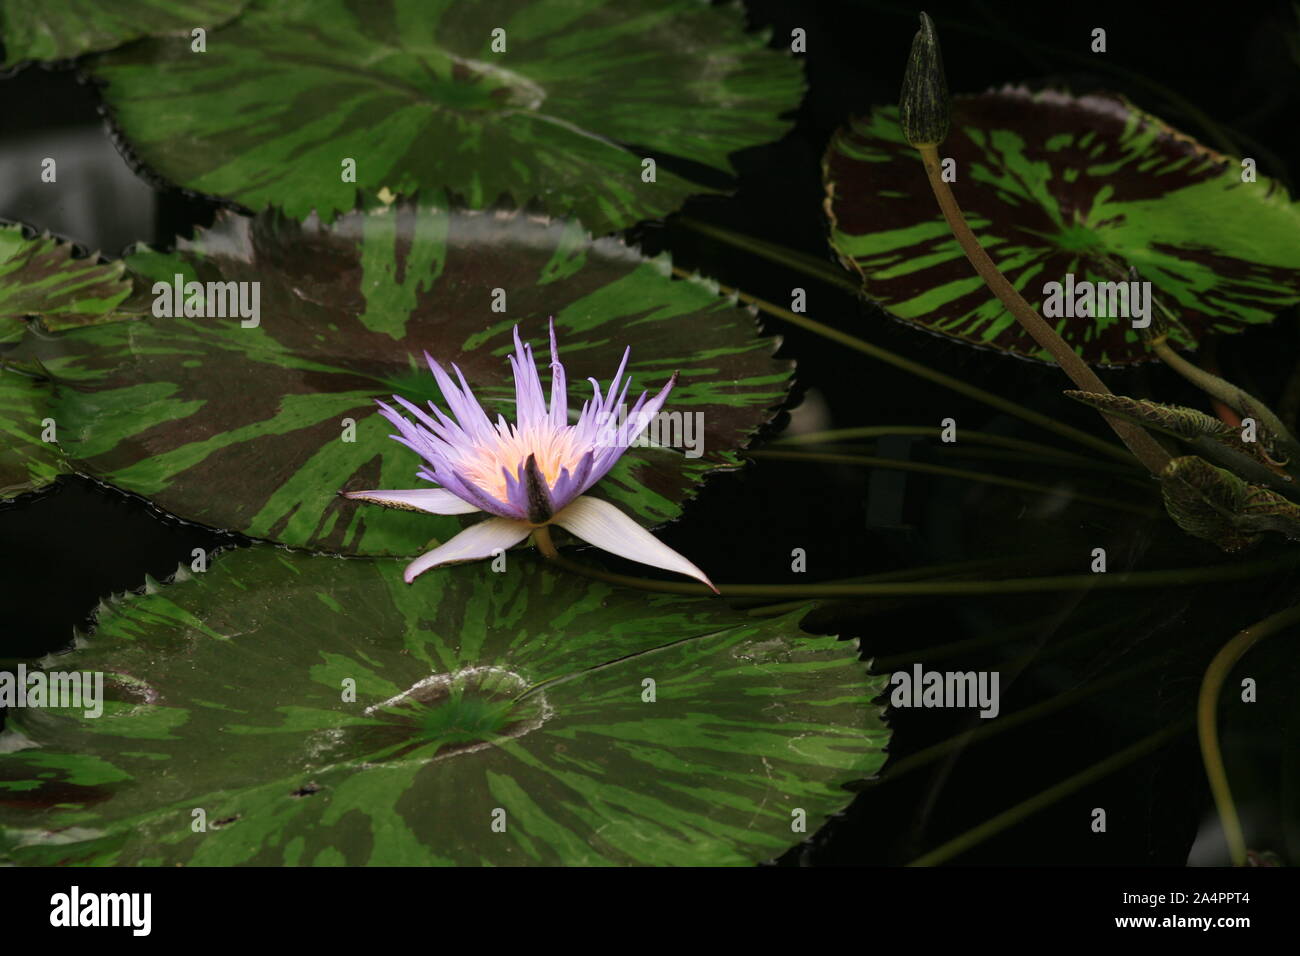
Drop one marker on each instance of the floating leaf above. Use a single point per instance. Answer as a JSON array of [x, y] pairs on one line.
[[1212, 437], [27, 462], [40, 277], [62, 29], [519, 698], [1214, 504], [248, 428], [1055, 184], [417, 96], [1188, 423]]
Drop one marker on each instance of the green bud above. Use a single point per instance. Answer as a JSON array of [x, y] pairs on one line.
[[924, 108]]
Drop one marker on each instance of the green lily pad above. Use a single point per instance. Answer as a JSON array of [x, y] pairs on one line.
[[416, 95], [62, 29], [40, 276], [247, 428], [518, 699], [27, 461], [1055, 184]]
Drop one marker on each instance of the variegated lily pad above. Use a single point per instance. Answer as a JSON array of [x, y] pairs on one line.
[[285, 709], [27, 460], [257, 428], [39, 276], [1055, 184], [542, 100], [62, 29]]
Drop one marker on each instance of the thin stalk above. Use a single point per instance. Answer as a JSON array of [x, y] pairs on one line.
[[1145, 448], [923, 371], [1128, 476], [950, 570], [943, 470], [930, 431], [1103, 768], [995, 727], [800, 262], [542, 538], [1207, 728], [1009, 635], [1224, 391], [1174, 577]]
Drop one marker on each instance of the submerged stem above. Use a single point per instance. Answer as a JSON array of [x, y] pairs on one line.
[[1142, 445], [801, 262], [1009, 722], [945, 471], [879, 431], [1046, 798], [1174, 577], [923, 371], [1206, 710]]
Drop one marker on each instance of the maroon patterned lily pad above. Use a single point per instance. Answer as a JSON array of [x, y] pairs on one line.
[[257, 427], [1055, 184]]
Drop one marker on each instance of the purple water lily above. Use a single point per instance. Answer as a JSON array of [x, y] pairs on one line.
[[528, 474]]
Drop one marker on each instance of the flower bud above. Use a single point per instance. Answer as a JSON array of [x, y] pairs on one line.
[[923, 107]]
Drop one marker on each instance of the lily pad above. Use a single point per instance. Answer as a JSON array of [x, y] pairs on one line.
[[498, 718], [62, 29], [27, 461], [257, 429], [418, 97], [1055, 184], [39, 276]]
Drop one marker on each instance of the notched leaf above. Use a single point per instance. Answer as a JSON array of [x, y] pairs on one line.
[[1213, 504]]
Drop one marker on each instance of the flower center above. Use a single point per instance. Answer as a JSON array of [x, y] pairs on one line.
[[554, 448]]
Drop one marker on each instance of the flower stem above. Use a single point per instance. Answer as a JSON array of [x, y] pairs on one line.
[[1142, 445], [801, 262], [943, 470], [1046, 798], [1206, 711], [1012, 634], [879, 431], [542, 538], [1173, 577], [987, 729], [922, 371]]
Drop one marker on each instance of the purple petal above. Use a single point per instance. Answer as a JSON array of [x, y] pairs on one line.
[[449, 479], [530, 402], [569, 486], [559, 385], [613, 385], [469, 414], [600, 523], [638, 420]]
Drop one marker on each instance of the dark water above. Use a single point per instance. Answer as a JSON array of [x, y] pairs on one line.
[[62, 550]]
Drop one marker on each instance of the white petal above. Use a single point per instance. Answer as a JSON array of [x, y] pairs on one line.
[[600, 523], [475, 542], [436, 501]]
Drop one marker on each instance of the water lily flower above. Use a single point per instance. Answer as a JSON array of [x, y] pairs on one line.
[[528, 474]]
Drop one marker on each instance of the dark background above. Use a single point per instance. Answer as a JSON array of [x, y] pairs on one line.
[[63, 549]]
